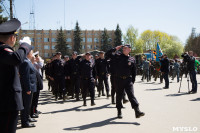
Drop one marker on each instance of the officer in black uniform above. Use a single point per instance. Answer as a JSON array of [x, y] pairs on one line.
[[58, 75], [101, 65], [125, 78], [10, 87], [74, 75], [165, 70], [87, 74], [67, 78]]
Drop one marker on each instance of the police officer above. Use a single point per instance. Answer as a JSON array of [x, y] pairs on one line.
[[74, 75], [10, 87], [102, 74], [57, 73], [67, 78], [165, 70], [146, 66], [87, 74], [125, 78]]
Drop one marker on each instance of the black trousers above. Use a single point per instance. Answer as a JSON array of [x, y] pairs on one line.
[[67, 86], [103, 79], [27, 99], [8, 122], [59, 86], [88, 85], [113, 85], [166, 78], [75, 85], [127, 85], [35, 102]]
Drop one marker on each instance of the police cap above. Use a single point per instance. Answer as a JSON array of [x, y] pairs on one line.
[[74, 53], [88, 53], [101, 52], [58, 53], [127, 45], [66, 56], [10, 27]]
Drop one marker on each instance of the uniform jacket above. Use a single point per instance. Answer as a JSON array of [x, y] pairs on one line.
[[101, 66], [28, 76], [164, 65], [10, 87], [87, 69], [57, 68], [125, 65]]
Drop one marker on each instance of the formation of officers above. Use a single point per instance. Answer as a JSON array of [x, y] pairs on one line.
[[79, 75], [20, 79]]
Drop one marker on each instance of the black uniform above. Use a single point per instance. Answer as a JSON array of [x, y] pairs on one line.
[[87, 73], [57, 72], [125, 78], [67, 81], [10, 87], [74, 76], [102, 73]]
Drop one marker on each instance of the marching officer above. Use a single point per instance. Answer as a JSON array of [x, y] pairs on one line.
[[87, 74], [58, 76], [125, 78], [10, 87], [74, 75], [67, 79], [165, 70], [102, 74]]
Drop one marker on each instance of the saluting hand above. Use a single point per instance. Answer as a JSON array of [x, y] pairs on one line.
[[118, 47], [28, 92]]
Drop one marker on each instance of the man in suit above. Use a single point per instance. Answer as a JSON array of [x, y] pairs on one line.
[[10, 88], [28, 81]]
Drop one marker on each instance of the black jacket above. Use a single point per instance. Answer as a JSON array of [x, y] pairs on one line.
[[164, 65], [87, 70], [10, 87]]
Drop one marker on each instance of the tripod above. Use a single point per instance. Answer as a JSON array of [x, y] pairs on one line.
[[188, 79]]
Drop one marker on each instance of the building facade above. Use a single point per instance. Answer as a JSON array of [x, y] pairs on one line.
[[44, 41]]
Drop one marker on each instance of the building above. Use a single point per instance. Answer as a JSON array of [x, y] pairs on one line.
[[44, 41]]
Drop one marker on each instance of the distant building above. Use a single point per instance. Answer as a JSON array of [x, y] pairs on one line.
[[44, 41]]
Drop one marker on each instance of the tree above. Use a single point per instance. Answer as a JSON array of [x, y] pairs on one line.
[[77, 38], [62, 46], [2, 19], [131, 36], [105, 45], [118, 36]]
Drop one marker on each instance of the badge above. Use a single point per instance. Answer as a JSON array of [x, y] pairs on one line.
[[129, 63]]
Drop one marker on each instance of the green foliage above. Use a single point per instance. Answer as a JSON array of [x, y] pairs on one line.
[[2, 19], [174, 48], [193, 43], [118, 36], [62, 46], [105, 45], [77, 38], [131, 36]]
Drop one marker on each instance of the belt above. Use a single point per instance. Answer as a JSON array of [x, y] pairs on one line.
[[124, 77]]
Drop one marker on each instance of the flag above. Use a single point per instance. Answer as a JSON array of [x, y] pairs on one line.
[[158, 52]]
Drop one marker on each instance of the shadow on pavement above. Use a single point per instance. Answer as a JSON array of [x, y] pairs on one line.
[[100, 124], [154, 89], [64, 110], [95, 108], [197, 99], [178, 94]]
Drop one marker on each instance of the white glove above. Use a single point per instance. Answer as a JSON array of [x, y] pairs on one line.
[[26, 39]]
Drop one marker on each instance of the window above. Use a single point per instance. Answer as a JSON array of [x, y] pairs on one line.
[[68, 32], [46, 39], [89, 39], [83, 46], [89, 33], [69, 46], [83, 39], [96, 40], [39, 39], [32, 39], [46, 46], [46, 55], [89, 46], [53, 39], [69, 40], [53, 46]]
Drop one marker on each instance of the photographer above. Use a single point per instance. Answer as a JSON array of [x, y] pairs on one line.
[[165, 70], [189, 58]]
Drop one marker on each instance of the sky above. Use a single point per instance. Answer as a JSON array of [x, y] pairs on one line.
[[175, 17]]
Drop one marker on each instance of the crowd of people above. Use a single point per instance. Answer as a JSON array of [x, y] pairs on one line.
[[21, 78]]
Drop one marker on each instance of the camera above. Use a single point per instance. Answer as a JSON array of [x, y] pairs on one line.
[[186, 57]]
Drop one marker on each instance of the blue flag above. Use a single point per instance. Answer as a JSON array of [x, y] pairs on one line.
[[158, 52]]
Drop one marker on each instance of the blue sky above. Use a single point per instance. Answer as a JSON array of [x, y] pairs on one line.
[[175, 17]]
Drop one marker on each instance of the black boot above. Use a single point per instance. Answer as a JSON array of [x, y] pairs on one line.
[[99, 95], [92, 103], [84, 102], [77, 97], [103, 94], [138, 113], [108, 95], [113, 100], [119, 113]]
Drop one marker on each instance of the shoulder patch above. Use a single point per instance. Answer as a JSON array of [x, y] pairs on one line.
[[8, 50], [131, 59]]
